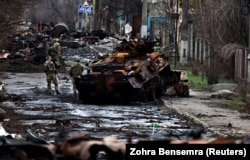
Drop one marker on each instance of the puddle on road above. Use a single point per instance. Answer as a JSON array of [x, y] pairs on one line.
[[47, 115]]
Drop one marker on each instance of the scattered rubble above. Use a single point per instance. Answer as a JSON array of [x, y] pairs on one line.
[[58, 126], [82, 147], [224, 86], [223, 94]]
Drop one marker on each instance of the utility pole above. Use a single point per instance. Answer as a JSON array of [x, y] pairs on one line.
[[248, 31], [94, 15], [184, 33], [144, 28], [176, 32], [86, 16]]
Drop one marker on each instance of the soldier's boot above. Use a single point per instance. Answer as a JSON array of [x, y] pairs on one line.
[[56, 88], [75, 93], [49, 88]]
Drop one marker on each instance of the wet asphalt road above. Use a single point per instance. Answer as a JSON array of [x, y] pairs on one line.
[[47, 115]]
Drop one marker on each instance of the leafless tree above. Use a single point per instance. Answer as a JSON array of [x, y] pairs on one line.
[[11, 15], [55, 11], [221, 23]]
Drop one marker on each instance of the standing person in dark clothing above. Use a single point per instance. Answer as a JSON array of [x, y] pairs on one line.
[[55, 52], [50, 70], [75, 71]]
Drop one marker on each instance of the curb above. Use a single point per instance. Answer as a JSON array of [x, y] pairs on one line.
[[193, 118]]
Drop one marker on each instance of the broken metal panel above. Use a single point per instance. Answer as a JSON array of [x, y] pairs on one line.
[[133, 72], [83, 147]]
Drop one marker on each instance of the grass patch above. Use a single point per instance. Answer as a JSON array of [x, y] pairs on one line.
[[225, 79], [233, 104], [197, 82]]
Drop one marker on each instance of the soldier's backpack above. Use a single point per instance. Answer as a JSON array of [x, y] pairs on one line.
[[76, 70]]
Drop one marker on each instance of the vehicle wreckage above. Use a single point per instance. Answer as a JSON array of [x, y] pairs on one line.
[[82, 147], [133, 72]]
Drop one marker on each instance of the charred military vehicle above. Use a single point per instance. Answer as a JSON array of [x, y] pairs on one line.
[[134, 72]]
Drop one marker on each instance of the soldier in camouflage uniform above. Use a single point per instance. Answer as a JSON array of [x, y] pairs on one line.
[[55, 52], [75, 71], [50, 70]]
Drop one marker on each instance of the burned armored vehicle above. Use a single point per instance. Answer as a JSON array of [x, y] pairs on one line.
[[134, 72]]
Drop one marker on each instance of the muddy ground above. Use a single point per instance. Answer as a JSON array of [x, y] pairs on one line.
[[28, 106]]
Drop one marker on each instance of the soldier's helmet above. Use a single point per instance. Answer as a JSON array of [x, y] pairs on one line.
[[49, 57], [56, 39], [77, 59]]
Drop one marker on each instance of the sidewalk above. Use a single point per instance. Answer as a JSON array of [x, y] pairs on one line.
[[201, 108]]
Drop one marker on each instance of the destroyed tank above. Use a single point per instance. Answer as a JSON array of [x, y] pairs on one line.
[[134, 72]]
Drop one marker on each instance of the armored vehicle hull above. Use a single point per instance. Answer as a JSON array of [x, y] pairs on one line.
[[104, 88], [130, 76]]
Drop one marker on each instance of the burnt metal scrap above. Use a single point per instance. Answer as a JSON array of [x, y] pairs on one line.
[[134, 72], [131, 72], [27, 48], [83, 148]]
